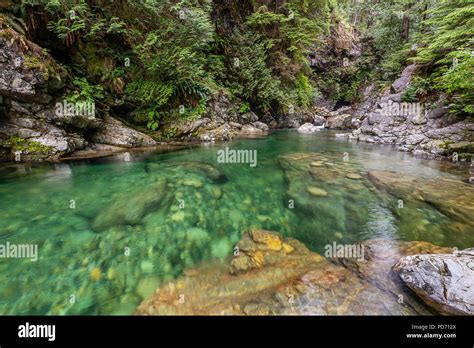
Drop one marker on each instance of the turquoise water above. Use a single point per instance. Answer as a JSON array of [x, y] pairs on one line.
[[109, 231]]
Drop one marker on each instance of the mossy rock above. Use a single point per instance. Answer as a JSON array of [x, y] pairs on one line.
[[27, 147]]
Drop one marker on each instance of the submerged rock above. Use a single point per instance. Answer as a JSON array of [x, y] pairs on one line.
[[272, 275], [257, 249], [309, 176], [451, 197], [443, 281], [130, 208], [315, 191], [210, 172]]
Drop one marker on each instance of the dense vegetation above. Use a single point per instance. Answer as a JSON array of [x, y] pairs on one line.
[[159, 60]]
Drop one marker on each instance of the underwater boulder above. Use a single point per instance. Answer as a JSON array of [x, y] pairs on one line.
[[130, 208]]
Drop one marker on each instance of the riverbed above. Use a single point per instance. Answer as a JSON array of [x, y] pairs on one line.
[[109, 231]]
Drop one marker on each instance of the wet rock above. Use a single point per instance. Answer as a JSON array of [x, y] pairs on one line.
[[256, 249], [187, 128], [353, 176], [249, 129], [299, 174], [114, 132], [317, 192], [308, 128], [443, 281], [193, 183], [260, 125], [454, 199]]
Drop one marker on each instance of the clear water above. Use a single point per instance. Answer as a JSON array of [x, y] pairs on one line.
[[86, 267]]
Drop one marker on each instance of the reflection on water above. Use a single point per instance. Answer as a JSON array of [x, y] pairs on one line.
[[110, 231]]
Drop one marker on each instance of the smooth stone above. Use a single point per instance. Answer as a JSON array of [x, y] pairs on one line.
[[354, 176], [147, 266], [315, 191], [178, 216], [317, 164], [96, 274], [216, 192], [193, 183]]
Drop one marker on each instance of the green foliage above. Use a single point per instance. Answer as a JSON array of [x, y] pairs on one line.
[[85, 92], [304, 90], [248, 75], [418, 89], [447, 52], [244, 108], [458, 81], [153, 121], [75, 18]]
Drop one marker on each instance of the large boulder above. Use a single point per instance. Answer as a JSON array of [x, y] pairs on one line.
[[129, 208], [308, 128], [339, 121], [251, 129], [443, 281], [114, 132]]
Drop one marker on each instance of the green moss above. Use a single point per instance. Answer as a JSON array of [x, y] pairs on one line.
[[27, 146], [445, 145]]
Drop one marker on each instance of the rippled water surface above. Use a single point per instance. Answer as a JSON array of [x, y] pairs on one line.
[[110, 231]]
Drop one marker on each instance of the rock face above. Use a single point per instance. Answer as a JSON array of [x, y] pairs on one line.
[[272, 275], [426, 130], [443, 281], [32, 85]]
